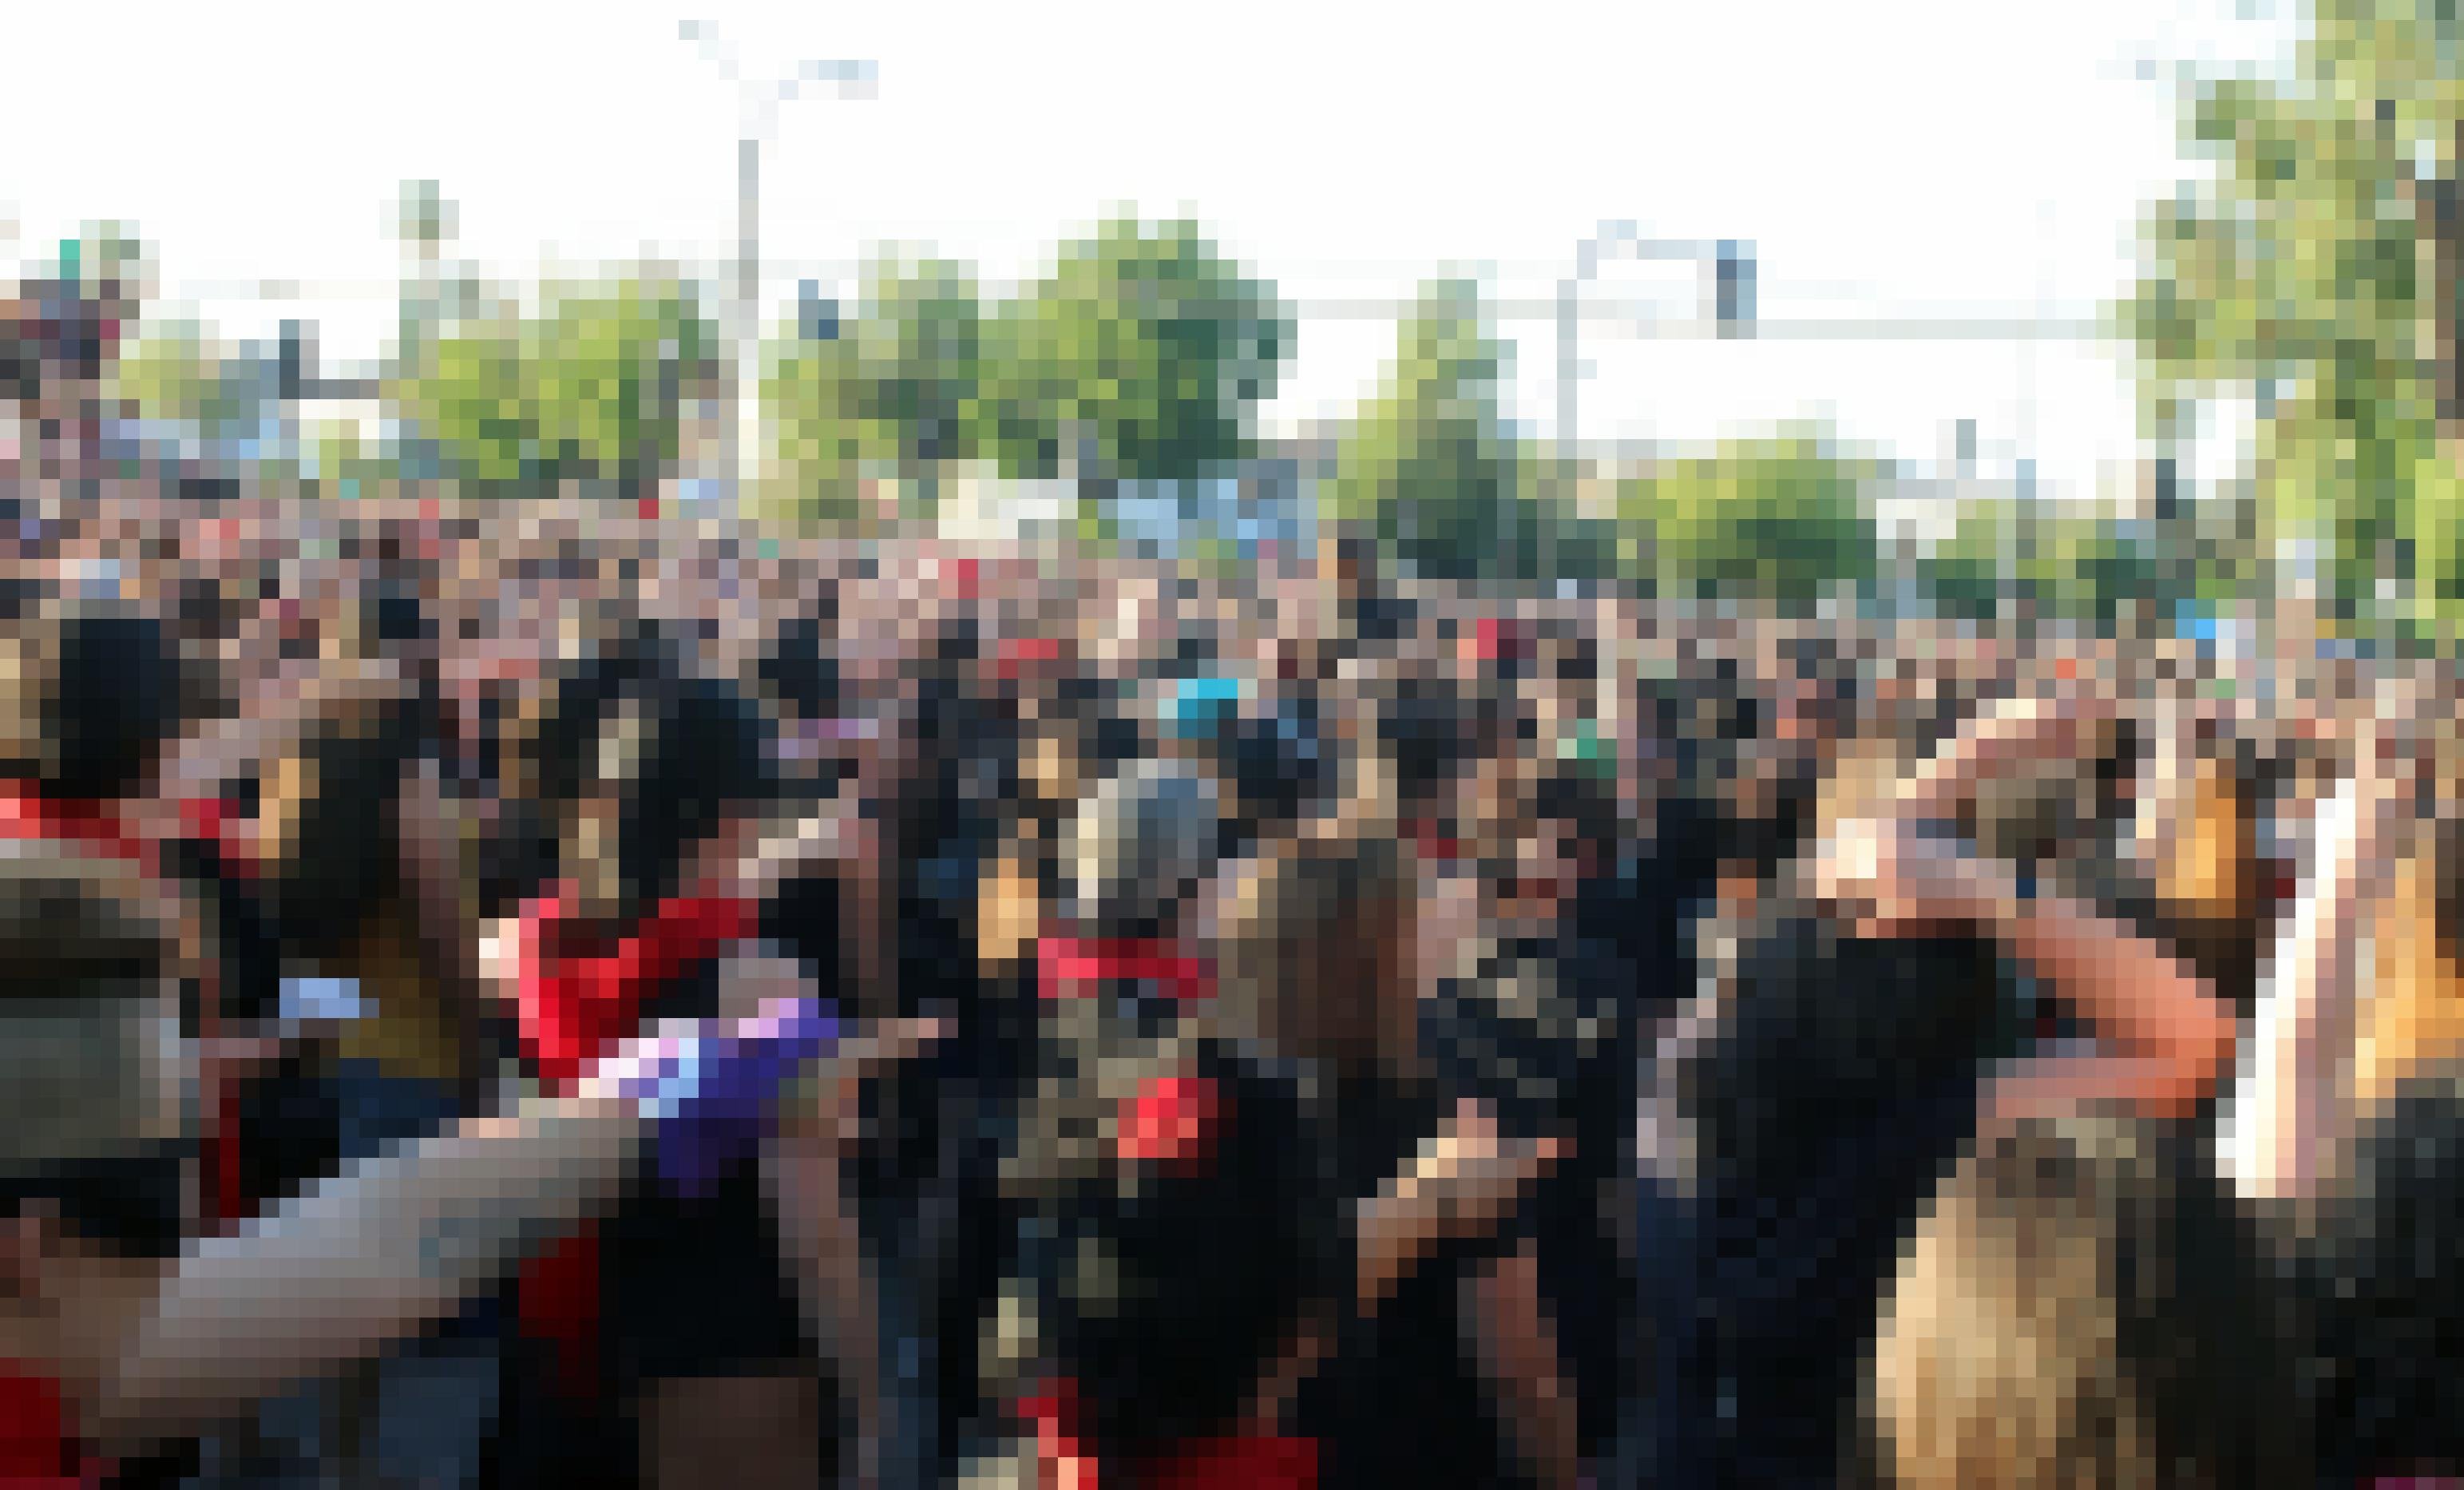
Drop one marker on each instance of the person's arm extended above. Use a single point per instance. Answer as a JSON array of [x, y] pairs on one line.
[[374, 1255], [2286, 1116], [2015, 733], [357, 1261]]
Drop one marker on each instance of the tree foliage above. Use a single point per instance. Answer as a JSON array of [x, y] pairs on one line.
[[897, 392], [2315, 271], [591, 386], [1140, 356], [1429, 466], [179, 373], [2004, 554], [1783, 518]]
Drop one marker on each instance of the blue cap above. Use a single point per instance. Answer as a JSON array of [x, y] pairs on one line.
[[1199, 706]]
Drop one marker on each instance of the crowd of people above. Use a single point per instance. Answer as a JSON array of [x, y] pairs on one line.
[[539, 998]]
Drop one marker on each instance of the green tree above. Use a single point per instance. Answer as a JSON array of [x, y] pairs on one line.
[[179, 372], [2077, 564], [608, 365], [470, 397], [1783, 518], [1967, 573], [1144, 349], [591, 387], [2316, 271], [899, 391], [1428, 466]]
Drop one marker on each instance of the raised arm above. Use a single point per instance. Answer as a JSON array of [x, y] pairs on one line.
[[2009, 735], [2167, 1036], [2287, 1116]]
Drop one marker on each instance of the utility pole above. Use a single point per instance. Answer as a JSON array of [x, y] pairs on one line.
[[760, 102]]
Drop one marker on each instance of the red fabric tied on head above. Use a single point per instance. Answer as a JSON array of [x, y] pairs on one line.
[[1075, 967], [27, 815], [1017, 654], [1171, 1121], [963, 579], [1495, 640]]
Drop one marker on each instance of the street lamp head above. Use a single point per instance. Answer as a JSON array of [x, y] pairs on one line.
[[851, 77], [704, 38]]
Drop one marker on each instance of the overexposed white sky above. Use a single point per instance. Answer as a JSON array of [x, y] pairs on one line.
[[1911, 158]]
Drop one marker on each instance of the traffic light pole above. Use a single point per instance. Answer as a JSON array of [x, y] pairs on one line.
[[745, 422]]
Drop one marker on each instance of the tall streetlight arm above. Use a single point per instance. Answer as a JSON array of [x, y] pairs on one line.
[[759, 103]]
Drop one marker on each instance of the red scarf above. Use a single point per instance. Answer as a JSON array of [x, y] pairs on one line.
[[1223, 1462], [38, 1449], [1072, 967], [27, 815], [571, 1009]]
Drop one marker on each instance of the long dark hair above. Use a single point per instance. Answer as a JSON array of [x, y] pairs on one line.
[[343, 854], [2383, 1298], [799, 672], [704, 757], [118, 691], [542, 757]]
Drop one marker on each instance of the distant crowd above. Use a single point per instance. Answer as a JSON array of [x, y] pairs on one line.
[[552, 996]]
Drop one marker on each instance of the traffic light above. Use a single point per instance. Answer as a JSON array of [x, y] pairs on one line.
[[817, 315], [1734, 303]]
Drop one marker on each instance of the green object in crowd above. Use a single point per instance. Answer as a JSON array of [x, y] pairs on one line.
[[1581, 741]]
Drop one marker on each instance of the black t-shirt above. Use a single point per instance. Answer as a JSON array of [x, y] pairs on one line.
[[1837, 1095]]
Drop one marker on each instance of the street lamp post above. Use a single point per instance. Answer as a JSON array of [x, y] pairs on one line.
[[1727, 305], [760, 102], [1569, 291], [1569, 368]]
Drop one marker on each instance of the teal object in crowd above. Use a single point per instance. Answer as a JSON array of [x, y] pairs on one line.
[[1198, 706], [1580, 741]]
